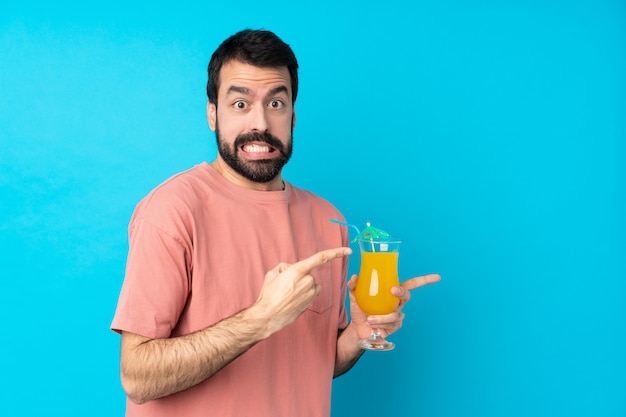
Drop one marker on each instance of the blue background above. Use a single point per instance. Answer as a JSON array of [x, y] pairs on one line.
[[490, 135]]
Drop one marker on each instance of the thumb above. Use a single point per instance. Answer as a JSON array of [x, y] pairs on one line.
[[318, 289], [352, 283]]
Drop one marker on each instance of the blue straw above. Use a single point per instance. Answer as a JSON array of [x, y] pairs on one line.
[[358, 232]]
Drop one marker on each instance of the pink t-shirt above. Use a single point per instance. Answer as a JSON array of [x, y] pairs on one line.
[[200, 247]]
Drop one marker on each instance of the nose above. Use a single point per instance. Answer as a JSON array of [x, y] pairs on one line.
[[258, 119]]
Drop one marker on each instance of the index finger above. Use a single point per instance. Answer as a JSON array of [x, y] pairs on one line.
[[305, 266], [420, 281]]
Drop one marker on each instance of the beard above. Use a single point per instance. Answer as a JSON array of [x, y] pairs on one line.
[[262, 170]]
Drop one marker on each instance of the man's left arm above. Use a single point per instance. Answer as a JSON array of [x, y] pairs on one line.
[[348, 353]]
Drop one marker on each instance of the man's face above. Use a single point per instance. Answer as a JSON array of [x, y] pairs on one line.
[[253, 120]]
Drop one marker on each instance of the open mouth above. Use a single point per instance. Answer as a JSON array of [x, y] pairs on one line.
[[258, 150]]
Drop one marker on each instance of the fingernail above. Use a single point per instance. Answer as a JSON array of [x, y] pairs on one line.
[[371, 320]]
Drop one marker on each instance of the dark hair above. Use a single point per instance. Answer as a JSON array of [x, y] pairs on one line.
[[260, 48]]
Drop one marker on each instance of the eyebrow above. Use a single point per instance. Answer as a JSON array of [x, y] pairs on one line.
[[247, 91], [237, 89], [279, 89]]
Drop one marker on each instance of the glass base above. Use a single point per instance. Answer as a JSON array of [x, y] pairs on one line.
[[375, 342]]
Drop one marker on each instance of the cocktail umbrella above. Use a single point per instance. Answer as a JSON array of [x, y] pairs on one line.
[[372, 233], [368, 234]]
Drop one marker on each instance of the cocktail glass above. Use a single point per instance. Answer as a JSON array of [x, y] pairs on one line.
[[378, 274]]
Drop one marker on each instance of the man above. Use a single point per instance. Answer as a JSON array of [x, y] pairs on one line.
[[233, 299]]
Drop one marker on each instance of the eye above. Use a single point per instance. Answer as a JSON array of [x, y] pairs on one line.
[[276, 104], [239, 105]]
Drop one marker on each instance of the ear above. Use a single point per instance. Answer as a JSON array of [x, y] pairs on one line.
[[293, 120], [211, 115]]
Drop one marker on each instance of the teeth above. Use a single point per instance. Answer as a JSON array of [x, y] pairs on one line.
[[256, 148]]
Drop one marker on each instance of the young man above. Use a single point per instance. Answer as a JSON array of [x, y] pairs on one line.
[[233, 299]]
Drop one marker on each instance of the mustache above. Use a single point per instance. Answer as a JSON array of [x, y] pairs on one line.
[[266, 137]]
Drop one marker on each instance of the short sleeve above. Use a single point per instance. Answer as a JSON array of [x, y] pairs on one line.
[[156, 284]]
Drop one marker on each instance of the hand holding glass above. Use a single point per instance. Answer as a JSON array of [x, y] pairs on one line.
[[378, 274]]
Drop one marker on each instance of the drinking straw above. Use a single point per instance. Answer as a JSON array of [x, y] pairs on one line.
[[358, 232], [359, 236]]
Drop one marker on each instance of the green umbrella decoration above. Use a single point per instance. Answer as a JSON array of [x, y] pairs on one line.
[[369, 233], [372, 233]]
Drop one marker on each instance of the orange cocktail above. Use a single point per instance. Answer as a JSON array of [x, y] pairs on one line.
[[379, 273]]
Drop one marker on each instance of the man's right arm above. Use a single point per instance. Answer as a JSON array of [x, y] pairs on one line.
[[155, 368]]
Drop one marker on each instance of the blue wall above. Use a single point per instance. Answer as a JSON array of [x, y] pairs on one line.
[[492, 137]]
